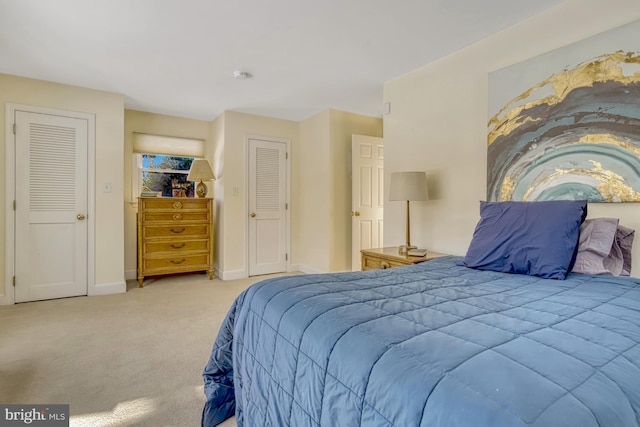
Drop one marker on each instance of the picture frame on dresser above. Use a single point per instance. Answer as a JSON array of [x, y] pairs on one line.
[[175, 235]]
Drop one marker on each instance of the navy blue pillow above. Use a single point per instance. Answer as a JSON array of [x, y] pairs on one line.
[[534, 238]]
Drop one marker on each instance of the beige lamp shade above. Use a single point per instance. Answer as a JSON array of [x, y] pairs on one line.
[[200, 171], [408, 186]]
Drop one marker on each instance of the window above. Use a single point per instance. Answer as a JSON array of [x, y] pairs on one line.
[[163, 175], [161, 164]]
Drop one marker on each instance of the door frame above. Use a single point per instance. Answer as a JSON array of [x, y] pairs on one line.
[[10, 192], [247, 149]]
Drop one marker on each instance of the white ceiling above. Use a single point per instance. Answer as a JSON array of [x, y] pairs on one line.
[[177, 57]]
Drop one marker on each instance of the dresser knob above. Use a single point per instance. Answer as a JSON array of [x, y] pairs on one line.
[[177, 217], [384, 265], [177, 230], [177, 262], [177, 205], [177, 246]]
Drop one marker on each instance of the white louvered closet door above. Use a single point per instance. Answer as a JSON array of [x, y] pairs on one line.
[[51, 207], [267, 207]]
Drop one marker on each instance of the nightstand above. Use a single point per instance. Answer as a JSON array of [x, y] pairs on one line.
[[383, 258]]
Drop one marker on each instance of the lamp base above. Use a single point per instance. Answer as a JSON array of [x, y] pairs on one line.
[[201, 189], [405, 248]]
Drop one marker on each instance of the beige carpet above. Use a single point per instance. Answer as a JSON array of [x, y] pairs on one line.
[[132, 359]]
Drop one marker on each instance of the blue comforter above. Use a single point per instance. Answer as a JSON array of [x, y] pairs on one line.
[[433, 344]]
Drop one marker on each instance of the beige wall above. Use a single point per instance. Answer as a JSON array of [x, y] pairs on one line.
[[156, 124], [314, 205], [320, 183], [214, 151], [438, 123], [108, 110], [237, 126], [342, 126], [324, 204], [320, 176]]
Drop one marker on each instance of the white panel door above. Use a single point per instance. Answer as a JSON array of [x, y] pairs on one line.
[[367, 188], [51, 206], [267, 207]]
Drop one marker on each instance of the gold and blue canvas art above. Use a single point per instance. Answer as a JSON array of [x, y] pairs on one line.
[[566, 125]]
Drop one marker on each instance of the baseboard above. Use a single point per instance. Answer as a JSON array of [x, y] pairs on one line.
[[130, 274], [101, 289], [306, 269], [6, 299], [108, 288], [232, 275]]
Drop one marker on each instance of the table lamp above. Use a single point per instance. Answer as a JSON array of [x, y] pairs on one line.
[[409, 186], [200, 171]]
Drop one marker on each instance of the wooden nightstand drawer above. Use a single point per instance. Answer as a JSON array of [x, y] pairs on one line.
[[383, 258], [371, 263]]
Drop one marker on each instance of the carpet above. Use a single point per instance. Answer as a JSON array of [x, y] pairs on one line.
[[131, 359]]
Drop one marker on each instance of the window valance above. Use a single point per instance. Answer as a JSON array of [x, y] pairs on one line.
[[167, 145]]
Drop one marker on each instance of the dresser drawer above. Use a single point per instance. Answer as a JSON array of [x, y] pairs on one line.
[[176, 216], [152, 247], [177, 205], [177, 263], [175, 231]]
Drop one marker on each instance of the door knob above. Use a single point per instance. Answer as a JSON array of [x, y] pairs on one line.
[[252, 215], [356, 213], [80, 217]]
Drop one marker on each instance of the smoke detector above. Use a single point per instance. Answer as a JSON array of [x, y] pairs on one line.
[[241, 75]]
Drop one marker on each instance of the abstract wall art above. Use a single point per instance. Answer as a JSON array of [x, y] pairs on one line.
[[566, 124]]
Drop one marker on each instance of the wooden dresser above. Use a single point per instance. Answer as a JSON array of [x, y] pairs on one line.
[[175, 235], [383, 258]]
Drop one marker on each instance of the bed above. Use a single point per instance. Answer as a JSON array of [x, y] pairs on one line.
[[433, 344]]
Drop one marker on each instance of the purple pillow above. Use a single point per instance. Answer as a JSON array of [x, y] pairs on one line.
[[604, 247], [533, 238], [624, 241], [596, 251]]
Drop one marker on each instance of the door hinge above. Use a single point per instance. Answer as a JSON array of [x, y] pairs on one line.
[[14, 281], [286, 155], [286, 206], [14, 205], [286, 258], [14, 128]]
